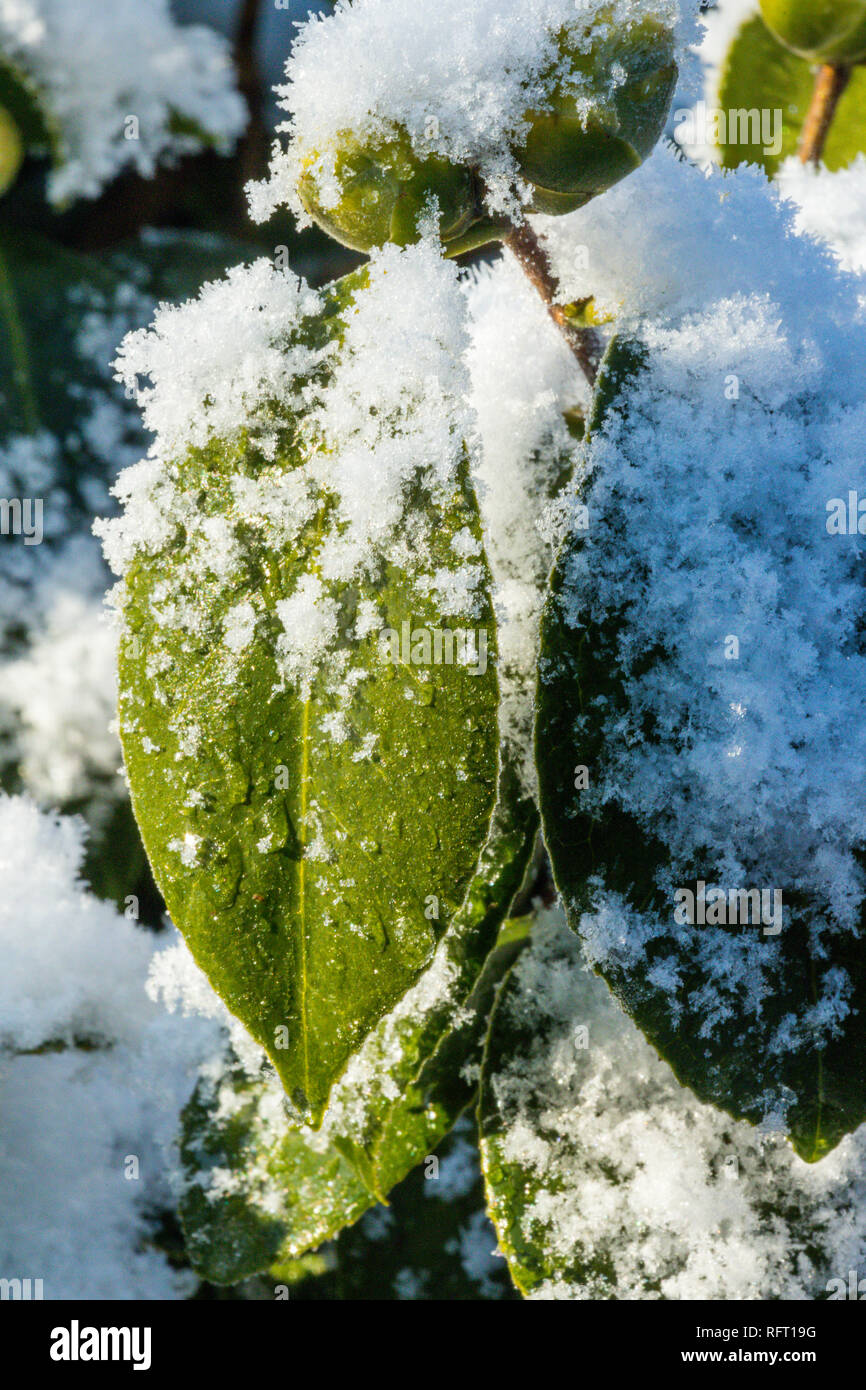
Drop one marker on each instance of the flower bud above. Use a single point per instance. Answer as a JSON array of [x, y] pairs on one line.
[[605, 114], [375, 192]]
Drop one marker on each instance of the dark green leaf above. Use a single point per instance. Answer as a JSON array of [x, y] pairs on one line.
[[822, 1082], [309, 948]]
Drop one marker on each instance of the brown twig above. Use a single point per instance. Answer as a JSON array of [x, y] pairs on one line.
[[830, 84], [585, 343]]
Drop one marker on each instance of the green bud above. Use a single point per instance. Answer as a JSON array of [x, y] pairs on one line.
[[591, 134], [383, 188], [823, 31], [11, 150]]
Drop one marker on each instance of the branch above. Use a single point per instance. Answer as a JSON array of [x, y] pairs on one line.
[[254, 142], [585, 343], [830, 83]]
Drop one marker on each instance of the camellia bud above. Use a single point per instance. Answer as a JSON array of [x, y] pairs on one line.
[[606, 112], [824, 31], [11, 150], [376, 192]]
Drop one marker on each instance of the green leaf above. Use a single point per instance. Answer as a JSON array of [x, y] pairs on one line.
[[760, 75], [605, 848], [402, 1094], [238, 773]]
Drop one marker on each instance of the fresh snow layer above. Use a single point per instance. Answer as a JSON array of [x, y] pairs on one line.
[[57, 697], [634, 1189], [124, 85], [458, 77], [92, 1075]]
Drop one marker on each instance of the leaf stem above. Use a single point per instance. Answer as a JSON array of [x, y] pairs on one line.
[[585, 343], [830, 83]]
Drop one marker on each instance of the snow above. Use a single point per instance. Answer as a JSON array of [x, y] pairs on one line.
[[519, 398], [458, 77], [831, 206], [628, 250], [216, 361], [309, 619], [91, 1074], [117, 80], [657, 1195], [58, 698]]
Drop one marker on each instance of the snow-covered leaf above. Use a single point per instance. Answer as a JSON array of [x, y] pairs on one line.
[[284, 744], [706, 852], [760, 75]]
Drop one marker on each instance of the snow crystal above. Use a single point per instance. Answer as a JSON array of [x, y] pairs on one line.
[[309, 620], [123, 83], [458, 77], [239, 626], [187, 848]]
